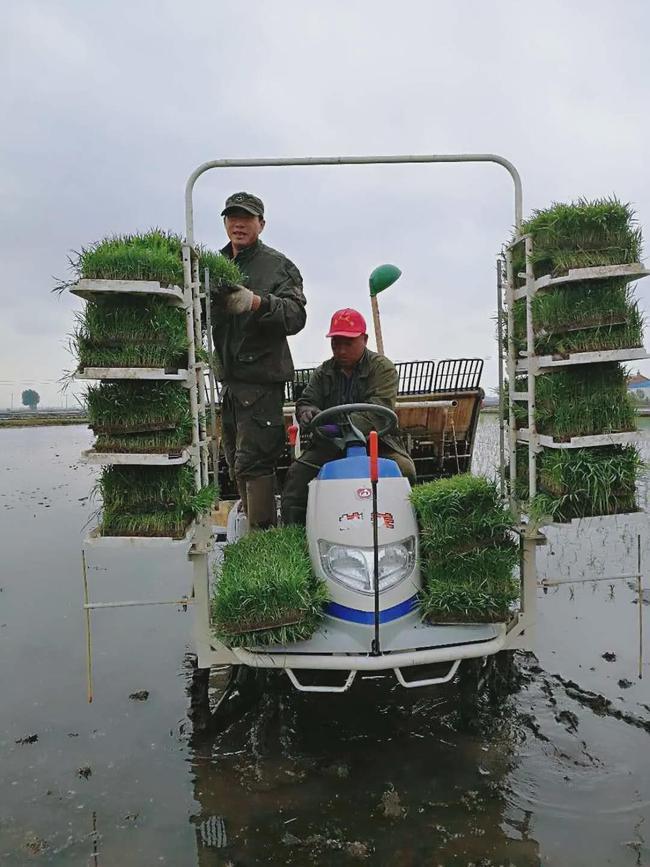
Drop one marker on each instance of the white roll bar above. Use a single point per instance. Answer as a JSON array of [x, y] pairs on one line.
[[348, 161]]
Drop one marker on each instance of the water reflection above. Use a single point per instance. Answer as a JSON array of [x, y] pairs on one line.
[[380, 774], [558, 773]]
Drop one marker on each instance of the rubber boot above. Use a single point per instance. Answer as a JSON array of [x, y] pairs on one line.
[[243, 495], [293, 515], [262, 513]]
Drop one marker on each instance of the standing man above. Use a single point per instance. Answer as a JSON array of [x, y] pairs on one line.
[[250, 328], [354, 374]]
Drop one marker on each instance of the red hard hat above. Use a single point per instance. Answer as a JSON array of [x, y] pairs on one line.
[[347, 323]]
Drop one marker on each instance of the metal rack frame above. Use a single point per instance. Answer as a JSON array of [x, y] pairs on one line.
[[519, 632], [535, 365], [189, 299]]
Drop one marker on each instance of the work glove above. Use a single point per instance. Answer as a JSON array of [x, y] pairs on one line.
[[223, 287], [305, 414], [237, 301]]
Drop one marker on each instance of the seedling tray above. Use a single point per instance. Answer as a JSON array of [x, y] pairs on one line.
[[90, 289], [168, 459]]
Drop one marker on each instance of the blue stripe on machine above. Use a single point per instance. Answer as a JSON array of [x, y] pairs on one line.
[[356, 615]]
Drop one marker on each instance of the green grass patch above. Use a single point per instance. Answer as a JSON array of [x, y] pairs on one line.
[[137, 407], [581, 483], [467, 553], [130, 332], [457, 509], [153, 255], [140, 416], [582, 401], [581, 234], [150, 501], [472, 600], [266, 592], [587, 317], [153, 442]]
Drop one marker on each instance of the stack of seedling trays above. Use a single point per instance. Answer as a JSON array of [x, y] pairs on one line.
[[135, 336], [468, 553], [574, 323], [266, 592]]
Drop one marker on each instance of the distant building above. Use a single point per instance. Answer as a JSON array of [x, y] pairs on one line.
[[639, 387]]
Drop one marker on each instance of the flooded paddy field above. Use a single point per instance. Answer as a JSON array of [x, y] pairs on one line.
[[551, 766]]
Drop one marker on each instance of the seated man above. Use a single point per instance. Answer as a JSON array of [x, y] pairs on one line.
[[353, 375]]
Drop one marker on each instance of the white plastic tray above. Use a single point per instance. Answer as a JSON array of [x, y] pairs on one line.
[[582, 442], [633, 271], [131, 373], [89, 289], [548, 362], [91, 456], [94, 539]]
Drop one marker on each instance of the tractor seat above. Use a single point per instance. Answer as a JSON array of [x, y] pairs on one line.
[[356, 465]]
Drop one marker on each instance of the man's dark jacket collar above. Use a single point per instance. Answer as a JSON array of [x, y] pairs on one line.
[[244, 254]]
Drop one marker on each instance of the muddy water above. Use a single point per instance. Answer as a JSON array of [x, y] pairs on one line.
[[551, 766]]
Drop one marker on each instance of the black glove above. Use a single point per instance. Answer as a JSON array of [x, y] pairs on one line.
[[305, 414]]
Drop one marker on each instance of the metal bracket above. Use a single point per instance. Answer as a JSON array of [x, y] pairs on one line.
[[428, 681], [304, 688]]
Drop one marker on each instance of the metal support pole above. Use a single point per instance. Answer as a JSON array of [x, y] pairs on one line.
[[188, 299], [213, 401], [529, 584], [502, 421], [511, 370], [198, 371], [377, 323], [532, 370], [89, 643], [639, 588]]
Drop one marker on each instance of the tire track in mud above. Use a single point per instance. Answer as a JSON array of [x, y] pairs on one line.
[[593, 701]]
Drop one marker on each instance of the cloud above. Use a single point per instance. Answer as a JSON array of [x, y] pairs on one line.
[[110, 106]]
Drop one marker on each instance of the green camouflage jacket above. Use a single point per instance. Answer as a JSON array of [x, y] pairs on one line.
[[374, 380], [253, 347]]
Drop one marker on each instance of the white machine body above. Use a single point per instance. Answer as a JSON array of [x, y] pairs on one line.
[[340, 534]]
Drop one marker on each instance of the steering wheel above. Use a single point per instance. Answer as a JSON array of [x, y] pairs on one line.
[[346, 409]]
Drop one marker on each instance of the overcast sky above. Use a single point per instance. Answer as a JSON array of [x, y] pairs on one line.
[[109, 105]]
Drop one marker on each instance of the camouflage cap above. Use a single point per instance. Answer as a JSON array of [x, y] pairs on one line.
[[245, 201]]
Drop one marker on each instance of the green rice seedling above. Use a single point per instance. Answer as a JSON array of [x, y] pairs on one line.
[[480, 562], [587, 317], [266, 592], [579, 483], [469, 601], [580, 235], [137, 407], [151, 501], [170, 524], [139, 417], [130, 332], [583, 401], [153, 255], [173, 521], [459, 511], [467, 553], [520, 407], [521, 480], [222, 270], [146, 489], [152, 442]]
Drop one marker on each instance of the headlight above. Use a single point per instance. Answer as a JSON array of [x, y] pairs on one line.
[[354, 567]]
